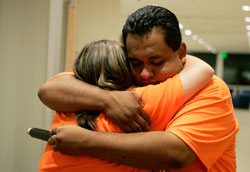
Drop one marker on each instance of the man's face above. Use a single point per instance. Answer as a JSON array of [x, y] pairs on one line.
[[151, 59]]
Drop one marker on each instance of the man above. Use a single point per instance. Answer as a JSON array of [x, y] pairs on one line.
[[200, 137]]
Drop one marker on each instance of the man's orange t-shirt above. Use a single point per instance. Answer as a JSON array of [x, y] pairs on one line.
[[161, 101], [207, 124]]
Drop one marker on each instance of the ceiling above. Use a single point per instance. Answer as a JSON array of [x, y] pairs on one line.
[[219, 23]]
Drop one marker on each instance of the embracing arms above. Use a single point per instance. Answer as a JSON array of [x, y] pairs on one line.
[[66, 93], [153, 150]]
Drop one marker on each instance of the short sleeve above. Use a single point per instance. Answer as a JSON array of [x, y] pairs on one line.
[[162, 101], [61, 74], [207, 123]]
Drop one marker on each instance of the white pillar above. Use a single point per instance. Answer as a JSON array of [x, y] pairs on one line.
[[219, 66], [55, 47]]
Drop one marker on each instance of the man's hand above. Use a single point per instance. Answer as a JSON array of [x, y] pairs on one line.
[[68, 139], [124, 108]]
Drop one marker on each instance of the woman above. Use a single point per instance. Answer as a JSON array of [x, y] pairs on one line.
[[103, 63]]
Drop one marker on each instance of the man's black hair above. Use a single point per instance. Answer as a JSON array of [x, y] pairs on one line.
[[143, 20]]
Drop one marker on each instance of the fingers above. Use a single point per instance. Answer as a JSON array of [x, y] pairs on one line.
[[143, 124], [142, 120], [138, 125], [135, 127], [126, 128], [53, 139], [145, 117], [138, 99], [54, 143], [54, 131]]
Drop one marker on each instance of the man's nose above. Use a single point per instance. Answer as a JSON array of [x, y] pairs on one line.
[[146, 72]]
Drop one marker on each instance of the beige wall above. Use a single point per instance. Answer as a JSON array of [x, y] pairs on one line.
[[23, 58], [97, 20], [24, 27]]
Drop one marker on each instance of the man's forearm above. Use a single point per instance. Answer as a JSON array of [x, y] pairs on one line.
[[147, 150], [68, 94]]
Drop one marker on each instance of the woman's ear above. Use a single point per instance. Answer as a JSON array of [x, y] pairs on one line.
[[182, 51]]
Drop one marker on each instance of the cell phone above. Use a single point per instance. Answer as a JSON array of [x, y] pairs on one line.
[[39, 133]]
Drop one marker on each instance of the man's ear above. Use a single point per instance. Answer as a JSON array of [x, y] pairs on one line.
[[182, 51], [183, 60]]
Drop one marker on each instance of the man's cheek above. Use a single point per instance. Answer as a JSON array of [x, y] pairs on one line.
[[165, 76], [135, 74]]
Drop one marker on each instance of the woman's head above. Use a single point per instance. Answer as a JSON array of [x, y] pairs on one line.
[[103, 63]]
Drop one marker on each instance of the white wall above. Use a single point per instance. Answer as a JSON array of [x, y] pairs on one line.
[[23, 58]]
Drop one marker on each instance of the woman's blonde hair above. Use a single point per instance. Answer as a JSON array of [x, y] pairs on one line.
[[104, 64]]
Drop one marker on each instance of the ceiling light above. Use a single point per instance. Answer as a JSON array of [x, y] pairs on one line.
[[181, 26], [200, 41], [214, 51], [247, 27], [195, 37], [188, 32], [246, 8], [247, 19], [209, 47]]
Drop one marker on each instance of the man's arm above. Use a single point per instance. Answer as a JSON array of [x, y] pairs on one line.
[[66, 93], [147, 150]]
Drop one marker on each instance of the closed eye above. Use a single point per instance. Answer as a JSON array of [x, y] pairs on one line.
[[157, 63], [135, 62]]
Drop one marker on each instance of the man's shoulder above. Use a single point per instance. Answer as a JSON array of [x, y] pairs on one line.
[[216, 87], [218, 80]]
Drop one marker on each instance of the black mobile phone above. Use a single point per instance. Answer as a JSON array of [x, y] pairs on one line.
[[39, 133]]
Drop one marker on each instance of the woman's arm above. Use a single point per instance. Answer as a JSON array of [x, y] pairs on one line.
[[194, 76]]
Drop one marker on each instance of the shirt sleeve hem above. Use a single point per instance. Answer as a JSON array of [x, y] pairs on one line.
[[60, 74], [195, 149]]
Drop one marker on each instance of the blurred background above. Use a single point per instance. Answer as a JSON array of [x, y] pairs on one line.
[[40, 38]]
